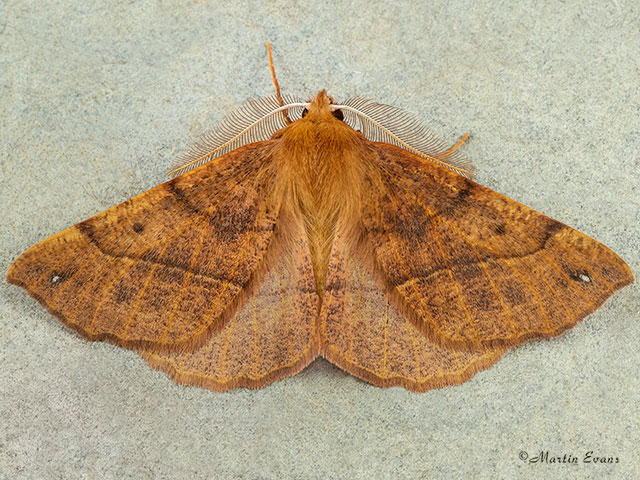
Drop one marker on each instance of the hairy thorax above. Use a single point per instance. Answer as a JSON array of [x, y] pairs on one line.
[[321, 166]]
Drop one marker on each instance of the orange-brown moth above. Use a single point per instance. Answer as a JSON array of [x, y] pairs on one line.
[[305, 229]]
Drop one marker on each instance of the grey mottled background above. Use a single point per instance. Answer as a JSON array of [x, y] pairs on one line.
[[96, 100]]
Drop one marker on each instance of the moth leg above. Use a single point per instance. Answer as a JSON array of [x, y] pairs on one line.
[[452, 149]]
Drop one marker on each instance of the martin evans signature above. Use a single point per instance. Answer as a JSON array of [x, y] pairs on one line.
[[589, 457]]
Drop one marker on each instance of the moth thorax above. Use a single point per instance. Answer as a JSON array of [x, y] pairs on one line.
[[325, 185]]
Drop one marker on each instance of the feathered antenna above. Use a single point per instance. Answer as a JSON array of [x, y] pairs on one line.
[[385, 123], [254, 121]]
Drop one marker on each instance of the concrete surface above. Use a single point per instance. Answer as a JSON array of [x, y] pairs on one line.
[[97, 98]]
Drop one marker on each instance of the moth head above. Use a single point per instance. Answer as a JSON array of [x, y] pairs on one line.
[[321, 107]]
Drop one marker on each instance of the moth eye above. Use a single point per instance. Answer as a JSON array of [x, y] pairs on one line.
[[338, 114], [304, 112]]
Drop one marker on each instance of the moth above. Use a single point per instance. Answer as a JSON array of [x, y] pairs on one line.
[[298, 229]]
